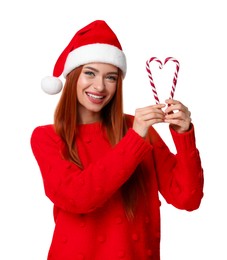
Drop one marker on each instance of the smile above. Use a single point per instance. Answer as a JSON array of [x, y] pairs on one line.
[[95, 96]]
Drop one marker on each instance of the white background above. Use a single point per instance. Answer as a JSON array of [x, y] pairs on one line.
[[34, 33]]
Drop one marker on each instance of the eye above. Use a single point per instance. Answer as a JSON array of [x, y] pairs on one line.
[[112, 78], [89, 73]]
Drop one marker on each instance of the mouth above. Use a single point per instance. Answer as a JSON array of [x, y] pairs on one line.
[[95, 96]]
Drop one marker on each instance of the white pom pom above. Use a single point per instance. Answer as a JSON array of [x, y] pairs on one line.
[[51, 85]]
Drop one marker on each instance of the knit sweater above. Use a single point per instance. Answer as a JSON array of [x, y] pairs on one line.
[[89, 214]]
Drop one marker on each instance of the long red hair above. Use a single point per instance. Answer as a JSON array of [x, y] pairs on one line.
[[66, 120]]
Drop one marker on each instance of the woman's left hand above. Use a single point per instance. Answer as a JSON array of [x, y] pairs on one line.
[[177, 115]]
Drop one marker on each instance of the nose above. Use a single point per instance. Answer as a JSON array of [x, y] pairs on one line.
[[99, 84]]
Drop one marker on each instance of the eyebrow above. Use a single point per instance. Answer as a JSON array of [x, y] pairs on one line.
[[94, 69]]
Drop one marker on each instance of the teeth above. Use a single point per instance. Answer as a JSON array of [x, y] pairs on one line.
[[94, 96]]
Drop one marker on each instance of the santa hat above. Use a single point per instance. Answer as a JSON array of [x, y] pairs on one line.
[[96, 42]]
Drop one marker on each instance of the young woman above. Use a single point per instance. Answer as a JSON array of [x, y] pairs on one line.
[[102, 169]]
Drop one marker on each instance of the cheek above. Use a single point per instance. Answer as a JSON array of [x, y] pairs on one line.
[[112, 90], [79, 90], [81, 85], [82, 80]]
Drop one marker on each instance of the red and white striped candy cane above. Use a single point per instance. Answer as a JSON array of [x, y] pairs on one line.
[[155, 93], [175, 75], [161, 66]]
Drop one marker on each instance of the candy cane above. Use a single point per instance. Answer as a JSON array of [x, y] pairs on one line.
[[161, 66], [151, 78], [175, 75]]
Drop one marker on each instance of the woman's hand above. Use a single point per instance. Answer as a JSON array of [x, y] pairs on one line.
[[177, 115], [146, 117]]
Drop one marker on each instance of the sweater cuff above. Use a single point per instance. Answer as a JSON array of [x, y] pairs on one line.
[[184, 142], [135, 144]]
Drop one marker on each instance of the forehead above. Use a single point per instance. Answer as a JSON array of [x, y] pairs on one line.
[[98, 66]]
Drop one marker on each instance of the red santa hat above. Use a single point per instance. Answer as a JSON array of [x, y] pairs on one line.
[[96, 42]]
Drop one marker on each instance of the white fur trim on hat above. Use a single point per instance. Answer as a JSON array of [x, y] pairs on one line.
[[97, 52]]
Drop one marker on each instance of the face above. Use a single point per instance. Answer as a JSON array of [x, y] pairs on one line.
[[95, 88]]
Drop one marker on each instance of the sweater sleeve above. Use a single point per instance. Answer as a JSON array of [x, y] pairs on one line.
[[180, 176], [82, 191]]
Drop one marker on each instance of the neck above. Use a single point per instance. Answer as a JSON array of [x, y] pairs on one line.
[[89, 119]]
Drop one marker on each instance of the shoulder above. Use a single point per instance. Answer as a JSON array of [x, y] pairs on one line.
[[43, 129], [44, 132]]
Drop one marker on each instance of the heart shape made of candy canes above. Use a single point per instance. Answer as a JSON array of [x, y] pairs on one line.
[[161, 66]]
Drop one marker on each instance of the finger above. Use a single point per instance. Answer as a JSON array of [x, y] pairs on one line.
[[175, 122], [178, 115], [154, 116], [150, 115], [158, 106], [171, 101], [180, 119], [177, 107], [149, 110]]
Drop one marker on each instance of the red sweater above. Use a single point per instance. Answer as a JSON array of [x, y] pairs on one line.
[[91, 223]]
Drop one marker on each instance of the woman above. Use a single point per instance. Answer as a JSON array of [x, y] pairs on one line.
[[103, 169]]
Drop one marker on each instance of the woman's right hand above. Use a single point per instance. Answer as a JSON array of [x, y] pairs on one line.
[[146, 117]]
